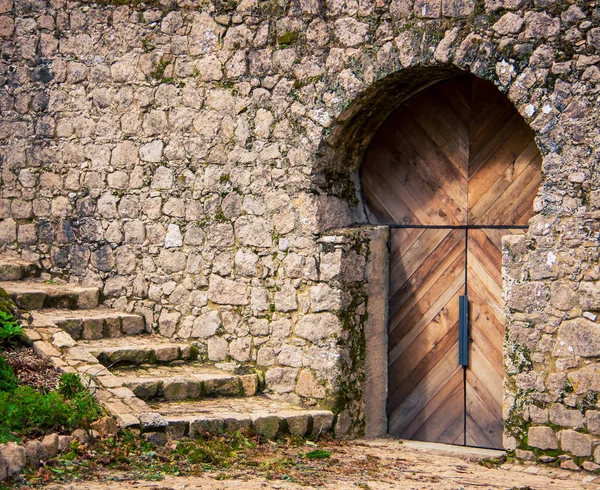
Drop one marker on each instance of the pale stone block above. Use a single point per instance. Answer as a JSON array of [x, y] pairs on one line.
[[217, 349], [542, 437], [318, 326], [575, 443], [227, 292]]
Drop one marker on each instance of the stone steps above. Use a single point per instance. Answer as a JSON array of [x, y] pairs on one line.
[[95, 324], [15, 269], [267, 416], [190, 381], [138, 350], [34, 294]]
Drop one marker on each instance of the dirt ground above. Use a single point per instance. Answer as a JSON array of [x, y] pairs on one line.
[[376, 465]]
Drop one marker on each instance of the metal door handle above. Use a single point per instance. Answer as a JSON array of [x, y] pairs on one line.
[[463, 331]]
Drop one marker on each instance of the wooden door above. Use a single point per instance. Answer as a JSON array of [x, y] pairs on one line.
[[426, 383], [453, 170]]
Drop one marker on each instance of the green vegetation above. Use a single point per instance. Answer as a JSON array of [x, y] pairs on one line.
[[6, 304], [318, 454], [10, 330], [287, 39], [26, 412]]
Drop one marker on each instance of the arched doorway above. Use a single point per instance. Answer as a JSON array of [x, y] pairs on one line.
[[451, 171]]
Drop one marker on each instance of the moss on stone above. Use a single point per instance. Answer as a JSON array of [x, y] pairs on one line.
[[287, 39], [6, 303]]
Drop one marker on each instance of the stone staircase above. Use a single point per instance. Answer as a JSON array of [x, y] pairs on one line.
[[145, 380]]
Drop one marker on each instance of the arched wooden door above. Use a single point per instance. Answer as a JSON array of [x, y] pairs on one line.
[[451, 171]]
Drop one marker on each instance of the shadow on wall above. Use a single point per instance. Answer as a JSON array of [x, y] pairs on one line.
[[341, 153]]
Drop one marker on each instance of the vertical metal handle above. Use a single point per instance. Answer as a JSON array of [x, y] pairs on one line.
[[463, 331]]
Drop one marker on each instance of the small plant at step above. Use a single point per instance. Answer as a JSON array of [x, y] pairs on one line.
[[10, 330], [8, 380]]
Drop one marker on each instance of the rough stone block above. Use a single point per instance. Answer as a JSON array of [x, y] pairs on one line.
[[93, 329], [177, 429], [575, 443], [132, 324], [457, 8], [560, 415], [206, 425], [542, 438], [35, 453], [249, 384], [322, 422], [578, 337], [295, 424], [266, 425], [15, 457], [227, 292], [181, 389], [50, 443], [318, 326]]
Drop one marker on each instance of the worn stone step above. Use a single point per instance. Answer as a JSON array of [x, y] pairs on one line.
[[138, 350], [34, 294], [267, 416], [95, 323], [190, 381], [15, 268]]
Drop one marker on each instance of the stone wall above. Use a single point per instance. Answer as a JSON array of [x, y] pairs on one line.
[[187, 157]]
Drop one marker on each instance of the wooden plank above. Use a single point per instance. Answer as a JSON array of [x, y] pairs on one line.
[[433, 392], [425, 351], [410, 282], [404, 330]]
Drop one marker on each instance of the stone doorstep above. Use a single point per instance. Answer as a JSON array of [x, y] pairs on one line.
[[191, 386], [94, 324], [34, 294], [137, 354], [17, 269]]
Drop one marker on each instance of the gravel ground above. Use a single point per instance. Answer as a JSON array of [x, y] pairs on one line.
[[376, 465]]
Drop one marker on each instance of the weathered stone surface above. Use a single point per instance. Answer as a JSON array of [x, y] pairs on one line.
[[35, 453], [318, 326], [173, 238], [226, 291], [542, 438], [560, 415], [15, 457], [578, 337], [575, 443], [281, 380], [586, 379], [592, 421], [307, 386], [51, 444]]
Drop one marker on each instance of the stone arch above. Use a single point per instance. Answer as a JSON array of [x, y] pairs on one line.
[[336, 177]]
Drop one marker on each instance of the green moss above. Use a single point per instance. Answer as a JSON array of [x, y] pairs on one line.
[[224, 178], [287, 39], [6, 303], [147, 45], [349, 396], [194, 352], [515, 423], [158, 73]]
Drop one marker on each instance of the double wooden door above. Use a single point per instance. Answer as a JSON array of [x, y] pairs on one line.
[[452, 171]]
